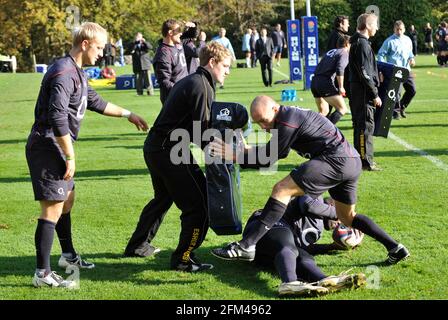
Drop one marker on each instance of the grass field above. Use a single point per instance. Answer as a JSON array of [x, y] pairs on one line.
[[408, 198]]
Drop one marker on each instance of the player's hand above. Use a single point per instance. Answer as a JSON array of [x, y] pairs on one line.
[[412, 62], [139, 122], [70, 169], [377, 102], [342, 91], [381, 76], [218, 148]]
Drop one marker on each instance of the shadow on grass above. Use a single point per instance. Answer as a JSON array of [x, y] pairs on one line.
[[111, 137], [116, 268], [88, 175]]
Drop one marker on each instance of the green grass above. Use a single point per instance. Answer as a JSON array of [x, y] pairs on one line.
[[408, 199]]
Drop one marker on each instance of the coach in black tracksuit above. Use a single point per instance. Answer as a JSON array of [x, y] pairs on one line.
[[182, 183], [364, 83]]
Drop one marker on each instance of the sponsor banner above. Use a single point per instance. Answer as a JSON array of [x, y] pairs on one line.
[[311, 49], [295, 63]]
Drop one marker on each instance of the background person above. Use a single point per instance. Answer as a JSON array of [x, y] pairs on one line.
[[413, 35], [429, 44], [141, 65], [245, 47], [170, 64], [340, 28], [264, 49], [397, 49], [279, 40], [327, 84]]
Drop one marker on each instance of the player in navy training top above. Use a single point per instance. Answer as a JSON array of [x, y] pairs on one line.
[[327, 85], [63, 99], [333, 166]]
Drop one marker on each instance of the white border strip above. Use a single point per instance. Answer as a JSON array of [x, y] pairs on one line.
[[437, 162]]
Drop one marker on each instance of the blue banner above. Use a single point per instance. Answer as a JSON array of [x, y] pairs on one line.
[[295, 63], [311, 48]]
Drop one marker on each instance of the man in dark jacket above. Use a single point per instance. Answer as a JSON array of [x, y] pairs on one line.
[[264, 48], [170, 64], [341, 25], [176, 177], [364, 83], [141, 64]]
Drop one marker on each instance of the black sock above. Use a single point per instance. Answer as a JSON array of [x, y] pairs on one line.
[[64, 231], [43, 240], [285, 263], [335, 116], [307, 268], [370, 228], [273, 211]]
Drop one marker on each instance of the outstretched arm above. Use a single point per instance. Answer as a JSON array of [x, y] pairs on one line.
[[116, 111]]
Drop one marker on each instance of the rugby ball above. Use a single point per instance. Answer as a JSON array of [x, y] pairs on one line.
[[347, 237]]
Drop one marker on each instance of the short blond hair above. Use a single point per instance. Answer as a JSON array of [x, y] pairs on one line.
[[213, 50], [87, 31], [364, 20]]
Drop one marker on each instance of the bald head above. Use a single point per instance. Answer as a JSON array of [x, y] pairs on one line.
[[263, 111]]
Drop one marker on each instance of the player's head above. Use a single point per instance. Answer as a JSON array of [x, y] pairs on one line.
[[217, 60], [171, 31], [368, 22], [222, 32], [399, 28], [263, 111], [341, 23], [343, 42], [90, 38], [263, 32]]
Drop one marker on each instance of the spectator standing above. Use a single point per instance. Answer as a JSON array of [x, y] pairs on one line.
[[413, 34], [265, 51], [253, 40], [429, 45], [222, 39], [279, 40], [141, 64], [246, 46], [341, 25], [397, 49]]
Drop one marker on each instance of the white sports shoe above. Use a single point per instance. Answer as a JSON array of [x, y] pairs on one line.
[[76, 261], [52, 280], [298, 288], [343, 281]]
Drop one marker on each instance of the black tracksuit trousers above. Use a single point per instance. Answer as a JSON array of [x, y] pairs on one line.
[[363, 118], [183, 184]]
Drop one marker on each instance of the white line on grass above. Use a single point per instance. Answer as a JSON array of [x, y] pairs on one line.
[[279, 72], [436, 161]]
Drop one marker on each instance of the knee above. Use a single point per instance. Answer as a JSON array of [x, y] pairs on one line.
[[288, 251], [347, 218], [279, 189]]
